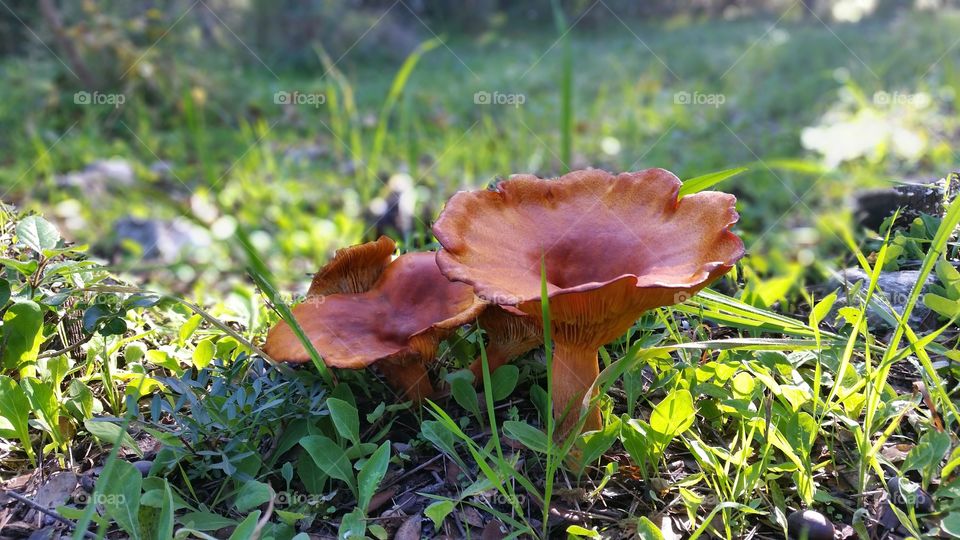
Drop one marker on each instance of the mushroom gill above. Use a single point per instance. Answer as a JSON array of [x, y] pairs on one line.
[[510, 334]]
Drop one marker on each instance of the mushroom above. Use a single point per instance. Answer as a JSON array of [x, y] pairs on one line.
[[353, 269], [510, 334], [613, 247], [362, 308]]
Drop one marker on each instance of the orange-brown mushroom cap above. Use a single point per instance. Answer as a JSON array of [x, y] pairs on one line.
[[613, 246], [399, 321], [353, 269]]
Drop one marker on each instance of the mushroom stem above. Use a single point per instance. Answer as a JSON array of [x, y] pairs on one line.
[[499, 352], [575, 368], [410, 376], [497, 355]]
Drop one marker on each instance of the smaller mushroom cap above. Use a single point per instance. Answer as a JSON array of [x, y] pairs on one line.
[[353, 269], [406, 312]]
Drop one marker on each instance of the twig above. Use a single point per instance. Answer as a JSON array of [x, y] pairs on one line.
[[258, 530], [412, 471], [77, 345], [47, 511]]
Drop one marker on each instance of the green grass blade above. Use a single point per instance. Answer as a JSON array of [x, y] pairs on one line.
[[566, 86], [396, 89], [264, 280], [707, 181]]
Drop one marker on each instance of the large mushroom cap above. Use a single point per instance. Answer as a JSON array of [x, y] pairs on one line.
[[623, 235], [613, 247], [410, 303]]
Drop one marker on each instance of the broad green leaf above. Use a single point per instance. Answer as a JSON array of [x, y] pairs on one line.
[[504, 380], [438, 511], [576, 531], [244, 530], [353, 525], [206, 521], [927, 455], [949, 276], [595, 443], [37, 233], [110, 433], [189, 328], [345, 418], [14, 413], [465, 395], [43, 401], [822, 309], [743, 385], [53, 369], [944, 307], [251, 495], [96, 314], [330, 458], [203, 354], [371, 474], [647, 530], [951, 524], [635, 436], [165, 520], [120, 497], [22, 334], [674, 415], [526, 434], [26, 268]]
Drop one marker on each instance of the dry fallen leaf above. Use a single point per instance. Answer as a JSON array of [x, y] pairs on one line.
[[381, 498], [410, 530]]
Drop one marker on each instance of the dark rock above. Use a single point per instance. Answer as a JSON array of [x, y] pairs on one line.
[[894, 286], [904, 493], [809, 524], [100, 177], [161, 241], [143, 466], [874, 206]]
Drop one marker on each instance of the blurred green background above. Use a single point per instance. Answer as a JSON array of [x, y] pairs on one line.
[[151, 130]]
